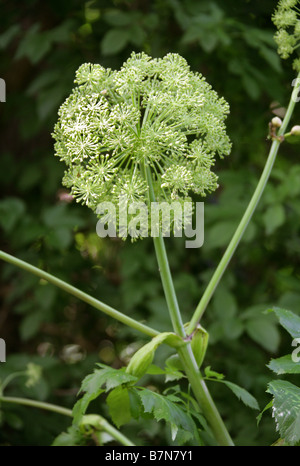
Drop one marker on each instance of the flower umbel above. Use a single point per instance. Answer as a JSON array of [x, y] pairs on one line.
[[287, 20], [153, 113]]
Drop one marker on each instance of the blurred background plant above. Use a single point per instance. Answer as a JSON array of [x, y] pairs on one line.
[[231, 44]]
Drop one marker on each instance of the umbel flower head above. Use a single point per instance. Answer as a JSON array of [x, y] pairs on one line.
[[287, 20], [153, 113]]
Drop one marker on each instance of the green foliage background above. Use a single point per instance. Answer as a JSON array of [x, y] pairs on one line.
[[231, 43]]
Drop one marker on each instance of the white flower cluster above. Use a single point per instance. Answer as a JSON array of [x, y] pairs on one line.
[[152, 112]]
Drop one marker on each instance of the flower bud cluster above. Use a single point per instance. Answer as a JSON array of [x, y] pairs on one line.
[[286, 19], [153, 113]]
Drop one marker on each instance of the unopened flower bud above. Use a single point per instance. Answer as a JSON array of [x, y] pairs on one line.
[[295, 130], [276, 122]]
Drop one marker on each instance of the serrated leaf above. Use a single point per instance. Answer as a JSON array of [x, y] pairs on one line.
[[92, 386], [268, 406], [289, 321], [284, 365], [242, 394], [71, 438], [107, 376], [173, 374], [119, 406], [135, 403], [286, 409], [163, 408], [82, 404]]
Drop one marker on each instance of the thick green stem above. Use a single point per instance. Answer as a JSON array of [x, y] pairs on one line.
[[80, 295], [67, 412], [206, 297], [165, 272], [203, 397], [168, 286], [190, 366]]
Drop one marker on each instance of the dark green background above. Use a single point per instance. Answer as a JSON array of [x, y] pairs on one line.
[[231, 43]]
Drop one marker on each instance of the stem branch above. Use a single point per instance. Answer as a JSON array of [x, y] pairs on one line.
[[206, 297], [103, 423], [80, 295]]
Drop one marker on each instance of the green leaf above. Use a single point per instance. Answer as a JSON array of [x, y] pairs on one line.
[[12, 211], [284, 365], [292, 138], [272, 57], [163, 408], [119, 406], [92, 386], [155, 370], [224, 303], [107, 376], [174, 368], [264, 332], [61, 216], [31, 324], [59, 238], [137, 35], [273, 218], [116, 17], [174, 362], [71, 438], [268, 406], [9, 35], [35, 45], [220, 234], [173, 374], [114, 41], [242, 394], [286, 409], [250, 84], [289, 321]]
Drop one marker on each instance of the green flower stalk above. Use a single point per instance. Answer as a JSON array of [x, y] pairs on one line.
[[287, 20], [152, 112]]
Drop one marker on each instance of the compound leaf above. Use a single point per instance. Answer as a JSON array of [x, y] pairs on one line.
[[163, 408], [92, 386]]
